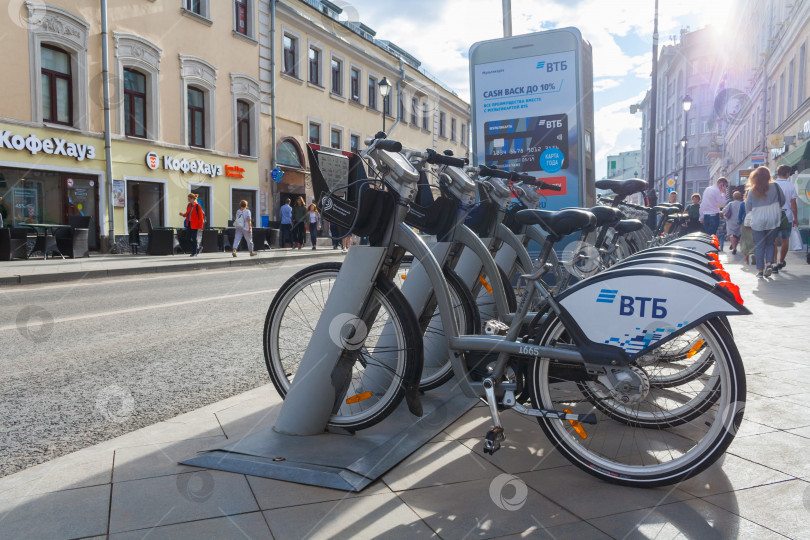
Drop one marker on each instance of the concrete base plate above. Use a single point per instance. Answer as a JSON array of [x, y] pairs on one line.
[[347, 462]]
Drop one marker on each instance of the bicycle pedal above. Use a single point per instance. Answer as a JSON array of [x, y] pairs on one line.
[[494, 327], [492, 441]]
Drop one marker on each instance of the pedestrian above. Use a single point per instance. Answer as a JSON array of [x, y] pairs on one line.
[[314, 223], [791, 213], [673, 197], [195, 217], [243, 224], [764, 203], [335, 232], [746, 245], [299, 217], [712, 202], [286, 223], [693, 214], [733, 222], [134, 234]]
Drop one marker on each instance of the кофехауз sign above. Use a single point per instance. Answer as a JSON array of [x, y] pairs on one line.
[[51, 145], [194, 166]]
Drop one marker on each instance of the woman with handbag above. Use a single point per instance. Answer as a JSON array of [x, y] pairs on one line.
[[764, 203], [244, 227], [195, 218], [299, 218]]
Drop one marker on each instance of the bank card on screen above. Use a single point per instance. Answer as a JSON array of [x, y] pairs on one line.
[[516, 145]]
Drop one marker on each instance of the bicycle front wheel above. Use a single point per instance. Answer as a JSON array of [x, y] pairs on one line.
[[634, 450], [388, 357]]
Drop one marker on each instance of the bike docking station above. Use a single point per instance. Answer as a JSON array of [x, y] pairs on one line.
[[301, 447]]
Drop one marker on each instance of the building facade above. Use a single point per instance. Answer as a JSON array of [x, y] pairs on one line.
[[685, 69], [184, 106], [625, 165], [325, 71]]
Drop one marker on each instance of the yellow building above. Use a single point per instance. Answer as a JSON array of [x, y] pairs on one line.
[[184, 97], [326, 71]]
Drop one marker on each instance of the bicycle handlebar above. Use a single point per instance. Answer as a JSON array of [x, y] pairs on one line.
[[497, 173], [532, 181], [436, 158]]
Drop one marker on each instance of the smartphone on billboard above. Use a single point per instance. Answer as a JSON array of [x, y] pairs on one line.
[[532, 111]]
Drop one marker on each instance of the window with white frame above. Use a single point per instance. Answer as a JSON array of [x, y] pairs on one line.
[[463, 134], [199, 80], [315, 63], [414, 109], [453, 129], [372, 93], [57, 49], [425, 116], [314, 133], [246, 98], [354, 142], [442, 122], [354, 85], [200, 8], [336, 69], [243, 17], [137, 65]]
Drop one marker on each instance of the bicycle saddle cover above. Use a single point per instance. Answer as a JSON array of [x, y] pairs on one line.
[[622, 187], [606, 215], [627, 226], [558, 224], [666, 210]]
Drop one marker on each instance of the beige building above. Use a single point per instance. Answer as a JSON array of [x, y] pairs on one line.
[[185, 99], [326, 72]]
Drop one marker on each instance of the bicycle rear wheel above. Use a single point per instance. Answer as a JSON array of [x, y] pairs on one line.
[[382, 363], [633, 450]]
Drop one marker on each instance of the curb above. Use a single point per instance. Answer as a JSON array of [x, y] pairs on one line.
[[179, 267]]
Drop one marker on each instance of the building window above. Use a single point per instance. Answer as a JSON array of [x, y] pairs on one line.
[[452, 129], [791, 83], [704, 125], [442, 131], [337, 76], [372, 93], [196, 117], [463, 134], [355, 84], [692, 126], [134, 103], [314, 133], [387, 104], [354, 143], [425, 118], [781, 97], [315, 66], [289, 154], [242, 17], [334, 139], [243, 127], [414, 108], [802, 68], [57, 86], [195, 6], [290, 47]]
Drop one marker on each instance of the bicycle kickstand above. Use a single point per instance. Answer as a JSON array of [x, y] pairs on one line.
[[492, 441]]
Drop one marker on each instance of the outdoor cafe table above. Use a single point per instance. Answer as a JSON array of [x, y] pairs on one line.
[[46, 241]]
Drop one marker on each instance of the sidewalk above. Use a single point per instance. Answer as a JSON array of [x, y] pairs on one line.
[[38, 270], [132, 486]]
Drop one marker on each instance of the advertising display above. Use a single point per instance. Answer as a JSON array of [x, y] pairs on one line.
[[532, 111]]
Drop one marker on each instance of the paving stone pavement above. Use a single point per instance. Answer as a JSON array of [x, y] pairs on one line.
[[133, 487]]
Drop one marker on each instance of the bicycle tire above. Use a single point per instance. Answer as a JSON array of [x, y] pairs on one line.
[[370, 375], [720, 422]]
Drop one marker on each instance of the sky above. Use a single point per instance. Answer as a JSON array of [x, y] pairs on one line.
[[440, 32]]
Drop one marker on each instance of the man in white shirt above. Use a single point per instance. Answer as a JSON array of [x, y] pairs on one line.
[[790, 208], [712, 203]]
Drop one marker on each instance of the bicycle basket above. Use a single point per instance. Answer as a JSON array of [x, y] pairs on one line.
[[429, 215]]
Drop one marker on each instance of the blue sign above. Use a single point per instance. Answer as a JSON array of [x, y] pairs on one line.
[[276, 174], [551, 160]]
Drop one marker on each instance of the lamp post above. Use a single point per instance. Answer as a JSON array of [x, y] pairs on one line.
[[687, 104], [675, 177], [385, 88]]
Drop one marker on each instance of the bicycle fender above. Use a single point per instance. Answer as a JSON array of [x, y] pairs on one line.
[[637, 308], [697, 244]]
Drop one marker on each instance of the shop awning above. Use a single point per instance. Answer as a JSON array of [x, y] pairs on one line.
[[800, 153]]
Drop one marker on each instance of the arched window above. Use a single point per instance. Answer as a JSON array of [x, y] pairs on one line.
[[289, 155]]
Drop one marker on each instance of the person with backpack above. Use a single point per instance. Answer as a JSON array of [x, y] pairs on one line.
[[195, 218], [244, 227]]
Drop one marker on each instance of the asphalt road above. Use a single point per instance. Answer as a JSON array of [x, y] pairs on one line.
[[83, 362]]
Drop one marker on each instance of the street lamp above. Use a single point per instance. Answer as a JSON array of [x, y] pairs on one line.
[[385, 88], [687, 104]]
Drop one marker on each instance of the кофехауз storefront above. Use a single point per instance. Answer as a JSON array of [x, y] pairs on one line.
[[153, 181], [49, 176]]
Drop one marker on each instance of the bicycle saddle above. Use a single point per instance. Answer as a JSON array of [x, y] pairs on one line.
[[623, 187], [557, 224], [666, 210], [606, 215], [627, 226]]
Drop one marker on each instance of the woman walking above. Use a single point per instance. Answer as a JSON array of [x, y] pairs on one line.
[[731, 213], [299, 216], [314, 223], [764, 203], [244, 227], [195, 217]]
